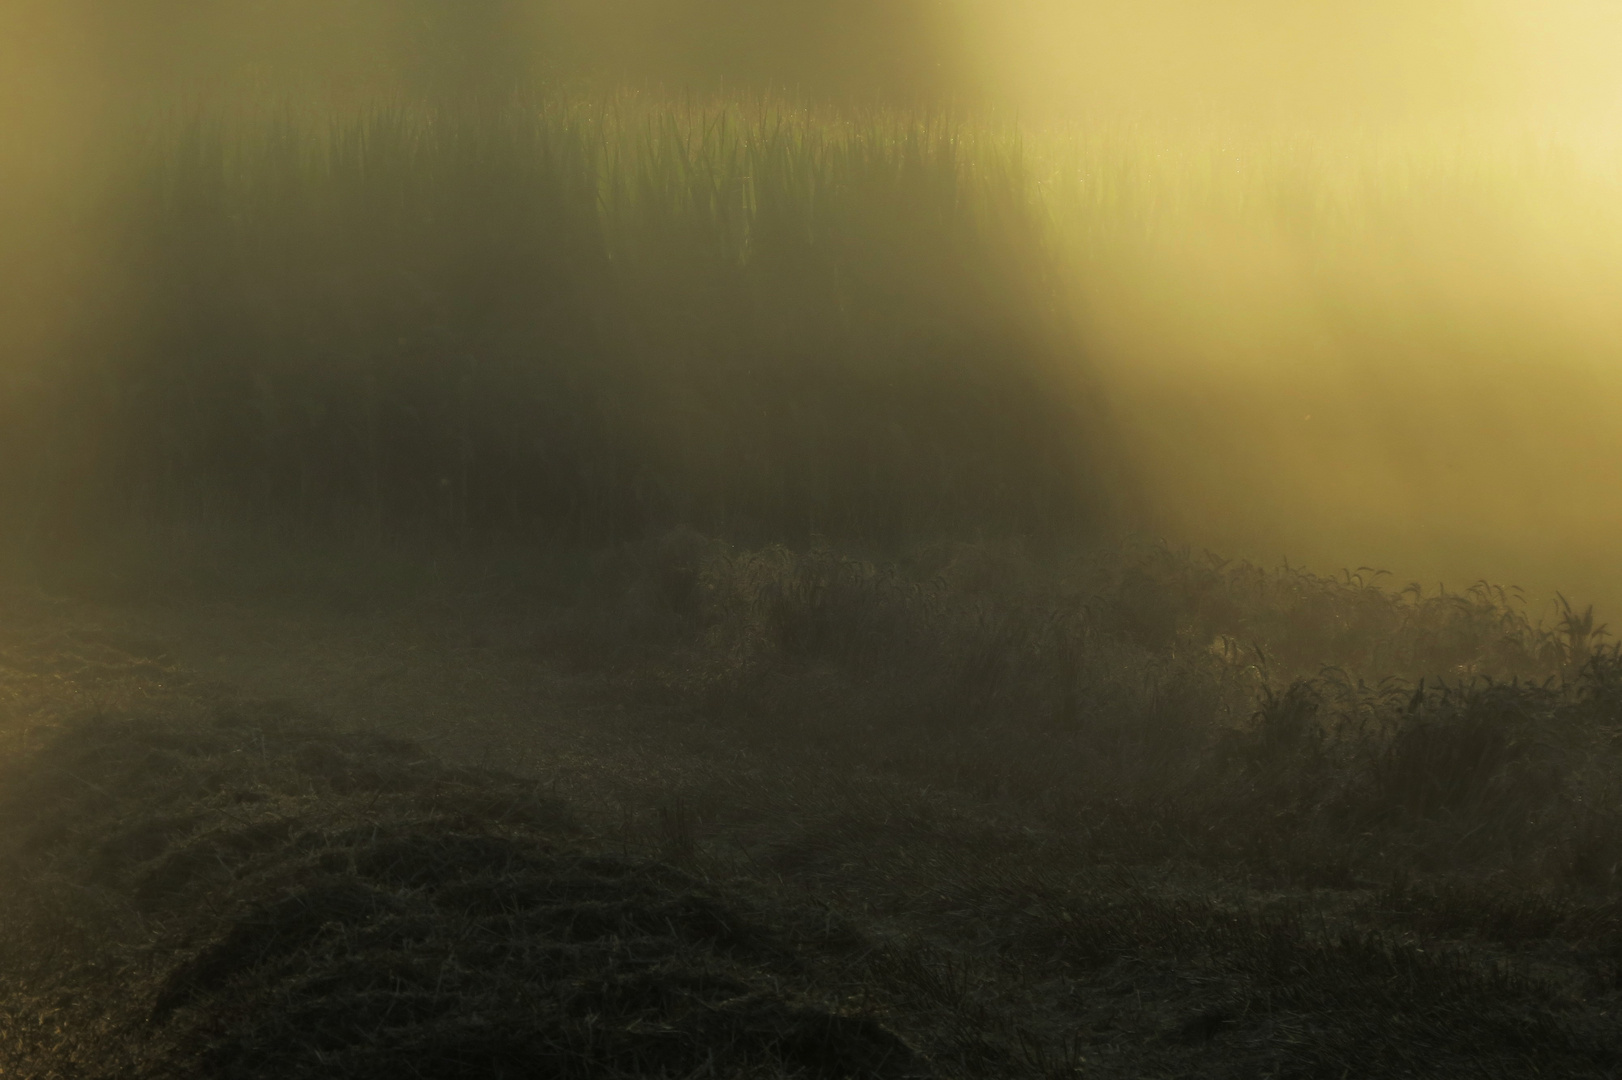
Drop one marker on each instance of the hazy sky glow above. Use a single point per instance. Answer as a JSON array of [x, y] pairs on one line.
[[1381, 59], [1376, 61]]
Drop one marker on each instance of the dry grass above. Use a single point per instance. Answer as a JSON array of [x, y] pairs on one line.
[[811, 789], [247, 894]]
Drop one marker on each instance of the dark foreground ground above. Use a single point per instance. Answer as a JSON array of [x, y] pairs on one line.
[[434, 831]]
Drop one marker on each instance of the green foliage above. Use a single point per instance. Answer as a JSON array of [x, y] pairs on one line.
[[1431, 730], [577, 319]]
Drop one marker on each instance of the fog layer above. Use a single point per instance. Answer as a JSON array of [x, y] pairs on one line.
[[1346, 270]]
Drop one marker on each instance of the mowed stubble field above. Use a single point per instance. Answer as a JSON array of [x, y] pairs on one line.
[[989, 882]]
